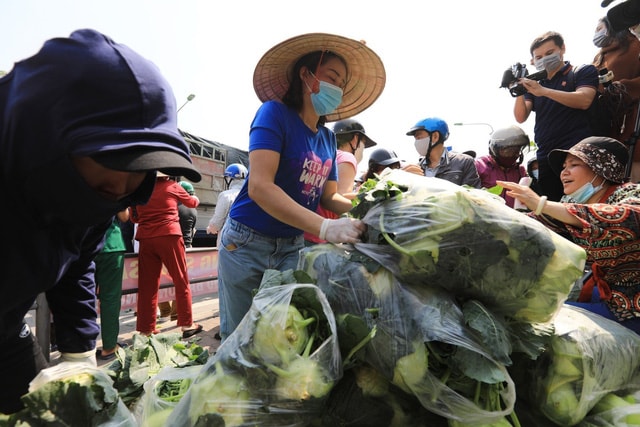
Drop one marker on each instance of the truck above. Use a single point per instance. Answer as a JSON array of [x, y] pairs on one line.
[[211, 159]]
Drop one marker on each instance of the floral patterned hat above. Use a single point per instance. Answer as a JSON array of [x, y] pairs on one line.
[[606, 157]]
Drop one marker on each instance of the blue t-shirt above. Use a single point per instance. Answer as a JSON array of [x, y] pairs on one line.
[[559, 126], [307, 161]]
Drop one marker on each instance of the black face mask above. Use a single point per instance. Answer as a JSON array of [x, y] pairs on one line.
[[57, 193], [507, 162]]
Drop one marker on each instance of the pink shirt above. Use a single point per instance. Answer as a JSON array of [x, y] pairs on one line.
[[341, 157]]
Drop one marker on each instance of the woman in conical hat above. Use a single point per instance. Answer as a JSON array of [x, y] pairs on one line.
[[303, 82]]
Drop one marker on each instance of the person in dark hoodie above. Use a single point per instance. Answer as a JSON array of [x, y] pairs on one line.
[[85, 124]]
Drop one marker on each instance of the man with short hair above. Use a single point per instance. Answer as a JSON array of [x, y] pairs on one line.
[[560, 102]]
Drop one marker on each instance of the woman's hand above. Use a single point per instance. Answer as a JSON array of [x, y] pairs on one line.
[[524, 194], [342, 230]]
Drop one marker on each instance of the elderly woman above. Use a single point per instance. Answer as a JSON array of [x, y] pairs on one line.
[[600, 213]]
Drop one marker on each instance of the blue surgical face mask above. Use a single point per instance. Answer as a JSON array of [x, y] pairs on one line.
[[549, 62], [422, 145], [328, 98], [534, 173], [584, 193]]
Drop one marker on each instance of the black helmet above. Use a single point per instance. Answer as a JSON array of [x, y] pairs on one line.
[[383, 157], [348, 126]]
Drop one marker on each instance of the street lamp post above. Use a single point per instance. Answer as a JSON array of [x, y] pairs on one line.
[[476, 124], [189, 98]]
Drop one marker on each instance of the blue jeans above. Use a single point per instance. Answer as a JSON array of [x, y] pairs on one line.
[[243, 256]]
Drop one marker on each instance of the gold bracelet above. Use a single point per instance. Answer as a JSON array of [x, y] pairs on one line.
[[541, 204]]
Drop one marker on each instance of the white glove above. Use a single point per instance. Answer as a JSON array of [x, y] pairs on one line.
[[88, 357], [342, 230]]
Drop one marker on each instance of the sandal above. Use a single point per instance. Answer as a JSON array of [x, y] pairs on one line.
[[188, 333]]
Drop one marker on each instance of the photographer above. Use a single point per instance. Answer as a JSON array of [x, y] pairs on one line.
[[619, 51], [560, 103]]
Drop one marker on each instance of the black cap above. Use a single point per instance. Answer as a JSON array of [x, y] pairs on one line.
[[348, 126], [624, 15], [146, 160], [383, 157]]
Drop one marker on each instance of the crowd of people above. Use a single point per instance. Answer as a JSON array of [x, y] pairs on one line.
[[118, 154]]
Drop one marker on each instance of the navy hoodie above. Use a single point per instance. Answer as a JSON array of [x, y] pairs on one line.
[[79, 96]]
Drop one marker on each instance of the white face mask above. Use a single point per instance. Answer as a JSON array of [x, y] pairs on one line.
[[422, 145], [550, 62], [635, 31]]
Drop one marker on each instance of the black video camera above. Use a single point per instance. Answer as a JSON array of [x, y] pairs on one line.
[[517, 71]]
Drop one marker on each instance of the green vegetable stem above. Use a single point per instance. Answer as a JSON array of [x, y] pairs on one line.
[[281, 334]]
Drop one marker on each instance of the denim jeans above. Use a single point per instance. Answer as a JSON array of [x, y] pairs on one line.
[[243, 256]]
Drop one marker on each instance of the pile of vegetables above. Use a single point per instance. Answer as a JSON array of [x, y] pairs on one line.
[[454, 283], [450, 314], [278, 366], [136, 364]]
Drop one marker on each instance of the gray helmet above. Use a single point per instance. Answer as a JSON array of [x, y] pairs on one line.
[[508, 137], [383, 157], [349, 126]]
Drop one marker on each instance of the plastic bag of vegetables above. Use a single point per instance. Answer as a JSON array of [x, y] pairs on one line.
[[589, 357], [422, 341], [72, 394], [468, 242], [147, 355], [276, 369], [163, 392], [620, 409]]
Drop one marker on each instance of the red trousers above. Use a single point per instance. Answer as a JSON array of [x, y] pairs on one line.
[[153, 253]]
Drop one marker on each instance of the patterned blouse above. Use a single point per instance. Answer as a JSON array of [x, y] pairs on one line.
[[610, 234]]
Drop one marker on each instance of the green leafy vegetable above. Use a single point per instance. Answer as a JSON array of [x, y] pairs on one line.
[[134, 365], [79, 396]]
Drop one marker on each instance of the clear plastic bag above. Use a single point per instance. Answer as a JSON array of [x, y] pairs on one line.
[[276, 369], [468, 242], [589, 357], [152, 410], [76, 394], [421, 341]]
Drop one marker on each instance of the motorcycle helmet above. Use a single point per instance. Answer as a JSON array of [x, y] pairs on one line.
[[432, 124], [349, 127], [506, 145], [383, 157], [236, 171], [188, 187]]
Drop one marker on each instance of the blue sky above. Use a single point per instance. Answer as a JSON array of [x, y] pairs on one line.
[[442, 58]]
